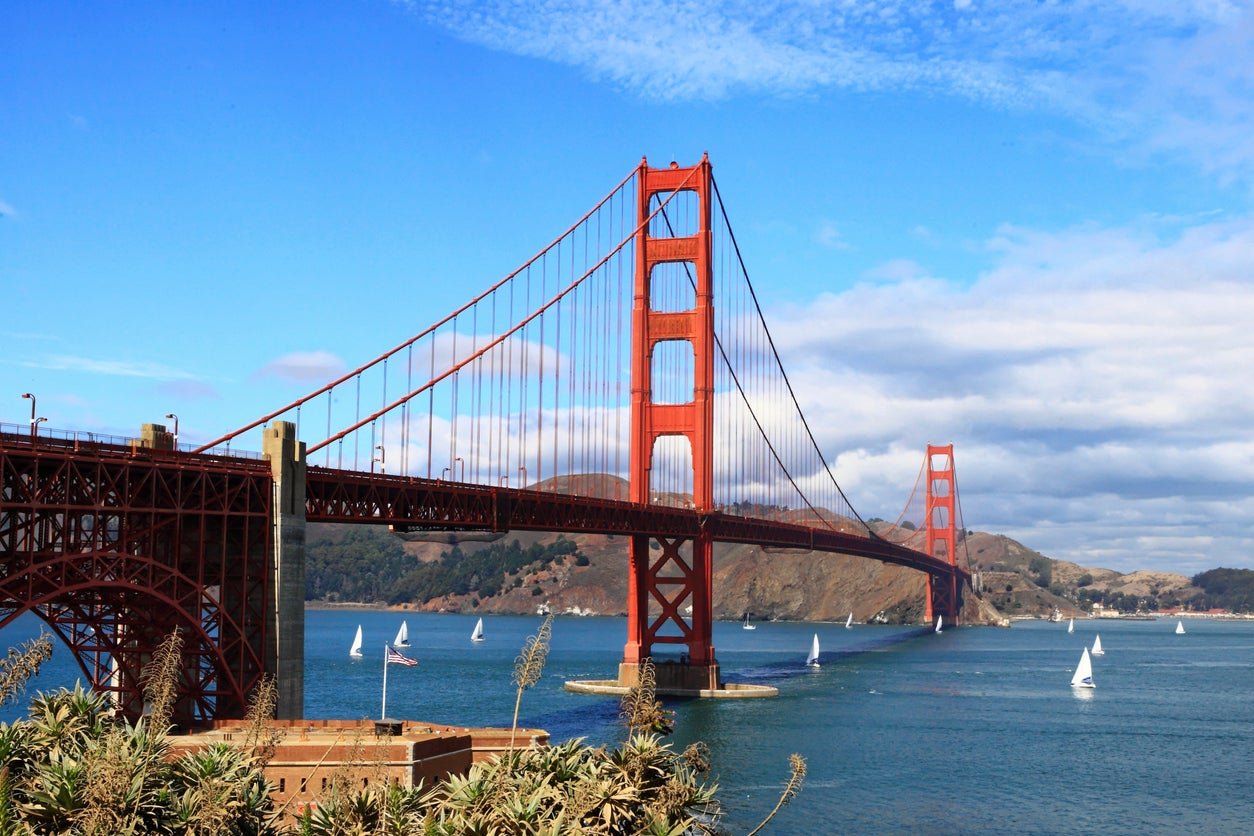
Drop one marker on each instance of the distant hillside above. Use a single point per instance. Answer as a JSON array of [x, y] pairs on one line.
[[520, 571], [1020, 581]]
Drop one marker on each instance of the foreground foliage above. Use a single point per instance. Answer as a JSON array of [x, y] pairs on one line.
[[641, 787], [71, 768]]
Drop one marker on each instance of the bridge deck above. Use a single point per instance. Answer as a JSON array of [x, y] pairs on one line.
[[411, 504]]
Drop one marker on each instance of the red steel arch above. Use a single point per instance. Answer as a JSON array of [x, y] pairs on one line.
[[114, 547]]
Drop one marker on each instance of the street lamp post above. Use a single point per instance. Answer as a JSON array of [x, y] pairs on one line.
[[32, 412], [38, 421], [463, 469], [176, 429]]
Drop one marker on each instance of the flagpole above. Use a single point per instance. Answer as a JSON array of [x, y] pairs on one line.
[[385, 682]]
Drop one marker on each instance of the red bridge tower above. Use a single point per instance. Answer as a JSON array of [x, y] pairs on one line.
[[680, 570], [942, 533]]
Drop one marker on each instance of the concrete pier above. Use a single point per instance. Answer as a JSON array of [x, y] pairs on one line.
[[285, 651]]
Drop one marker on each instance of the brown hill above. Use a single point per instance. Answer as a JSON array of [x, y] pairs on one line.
[[774, 585]]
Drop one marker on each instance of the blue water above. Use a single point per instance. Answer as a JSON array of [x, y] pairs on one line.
[[974, 731]]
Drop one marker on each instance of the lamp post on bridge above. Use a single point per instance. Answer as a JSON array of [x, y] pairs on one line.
[[463, 462], [523, 485], [32, 412], [176, 429], [381, 459], [38, 421]]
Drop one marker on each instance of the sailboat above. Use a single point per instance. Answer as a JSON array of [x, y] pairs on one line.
[[1083, 672], [939, 619], [813, 659], [1071, 626], [402, 636], [1097, 646], [476, 635], [355, 650], [747, 625], [849, 621], [1179, 628]]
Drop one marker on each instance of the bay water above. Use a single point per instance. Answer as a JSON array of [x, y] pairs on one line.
[[972, 731]]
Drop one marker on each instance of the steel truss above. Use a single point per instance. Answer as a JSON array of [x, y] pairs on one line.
[[115, 548]]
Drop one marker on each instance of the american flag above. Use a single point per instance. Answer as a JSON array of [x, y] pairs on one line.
[[400, 658]]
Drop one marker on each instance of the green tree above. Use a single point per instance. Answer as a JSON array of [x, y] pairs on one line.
[[1043, 568]]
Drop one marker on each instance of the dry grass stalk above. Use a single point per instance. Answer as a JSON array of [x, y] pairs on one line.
[[263, 738], [21, 664], [529, 665], [161, 676], [322, 760], [117, 767], [344, 779], [110, 768], [797, 765], [640, 709]]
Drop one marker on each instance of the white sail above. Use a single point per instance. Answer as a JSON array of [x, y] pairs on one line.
[[813, 659], [1083, 672], [402, 636], [747, 625], [477, 634], [1071, 626], [1179, 628], [939, 619], [849, 621], [1097, 646], [355, 650]]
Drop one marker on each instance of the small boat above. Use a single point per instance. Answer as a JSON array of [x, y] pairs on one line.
[[355, 650], [1179, 628], [939, 619], [1097, 646], [1083, 672], [476, 635], [747, 625], [1071, 626], [813, 659], [402, 636], [849, 621]]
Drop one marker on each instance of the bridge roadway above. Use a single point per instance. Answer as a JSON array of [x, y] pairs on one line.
[[413, 504]]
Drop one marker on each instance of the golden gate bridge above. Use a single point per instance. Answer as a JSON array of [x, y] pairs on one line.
[[633, 345]]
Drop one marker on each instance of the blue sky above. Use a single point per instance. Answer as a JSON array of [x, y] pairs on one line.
[[1022, 227]]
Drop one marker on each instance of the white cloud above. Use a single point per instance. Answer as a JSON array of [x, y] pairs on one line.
[[122, 368], [1156, 76], [7, 210], [1095, 383], [828, 236], [304, 367]]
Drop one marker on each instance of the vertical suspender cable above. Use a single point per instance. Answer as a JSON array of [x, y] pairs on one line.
[[357, 417]]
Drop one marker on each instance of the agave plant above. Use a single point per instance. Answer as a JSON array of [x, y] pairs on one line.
[[220, 789], [61, 722]]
